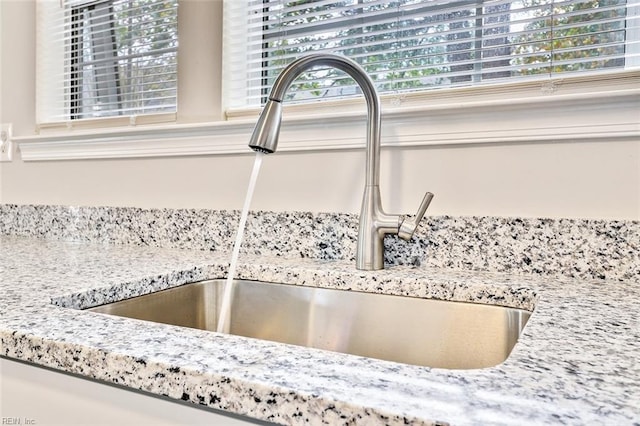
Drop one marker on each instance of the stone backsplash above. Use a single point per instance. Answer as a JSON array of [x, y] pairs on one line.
[[578, 248]]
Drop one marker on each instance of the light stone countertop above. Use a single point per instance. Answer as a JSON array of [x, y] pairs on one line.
[[577, 362]]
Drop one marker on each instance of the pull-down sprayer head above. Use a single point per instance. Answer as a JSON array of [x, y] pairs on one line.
[[265, 135]]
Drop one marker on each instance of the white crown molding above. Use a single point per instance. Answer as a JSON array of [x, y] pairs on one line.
[[611, 115]]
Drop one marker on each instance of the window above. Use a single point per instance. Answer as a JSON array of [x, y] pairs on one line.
[[414, 45], [216, 113], [106, 58]]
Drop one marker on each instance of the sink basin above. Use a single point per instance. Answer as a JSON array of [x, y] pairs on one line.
[[409, 330]]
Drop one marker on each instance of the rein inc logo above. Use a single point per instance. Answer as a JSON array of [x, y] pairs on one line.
[[17, 421]]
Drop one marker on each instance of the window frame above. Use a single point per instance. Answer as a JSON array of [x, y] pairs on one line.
[[78, 68]]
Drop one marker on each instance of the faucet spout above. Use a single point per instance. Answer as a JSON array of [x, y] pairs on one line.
[[265, 135], [374, 222]]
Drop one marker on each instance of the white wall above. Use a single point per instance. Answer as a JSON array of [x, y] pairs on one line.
[[1, 80], [595, 180], [17, 37], [564, 179]]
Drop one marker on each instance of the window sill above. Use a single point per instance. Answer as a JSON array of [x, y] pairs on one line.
[[535, 112]]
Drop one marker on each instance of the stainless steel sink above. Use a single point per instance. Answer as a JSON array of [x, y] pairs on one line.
[[409, 330]]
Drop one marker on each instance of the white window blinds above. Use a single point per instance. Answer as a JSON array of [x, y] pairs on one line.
[[409, 45], [106, 58]]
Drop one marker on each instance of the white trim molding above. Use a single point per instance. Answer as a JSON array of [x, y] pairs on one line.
[[553, 113]]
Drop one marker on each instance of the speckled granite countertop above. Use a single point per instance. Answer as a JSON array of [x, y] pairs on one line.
[[578, 361]]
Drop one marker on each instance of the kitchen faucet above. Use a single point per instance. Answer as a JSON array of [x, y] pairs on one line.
[[374, 222]]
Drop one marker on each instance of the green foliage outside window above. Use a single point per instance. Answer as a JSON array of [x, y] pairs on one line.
[[472, 44]]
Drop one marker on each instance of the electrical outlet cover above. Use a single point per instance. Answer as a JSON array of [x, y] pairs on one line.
[[6, 145]]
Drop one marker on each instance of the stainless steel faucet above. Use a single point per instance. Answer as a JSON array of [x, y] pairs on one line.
[[374, 222]]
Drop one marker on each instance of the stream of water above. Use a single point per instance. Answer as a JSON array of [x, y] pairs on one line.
[[225, 314]]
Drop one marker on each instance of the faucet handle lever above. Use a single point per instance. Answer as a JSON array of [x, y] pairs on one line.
[[408, 226]]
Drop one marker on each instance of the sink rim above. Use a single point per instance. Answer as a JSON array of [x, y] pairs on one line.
[[519, 312]]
